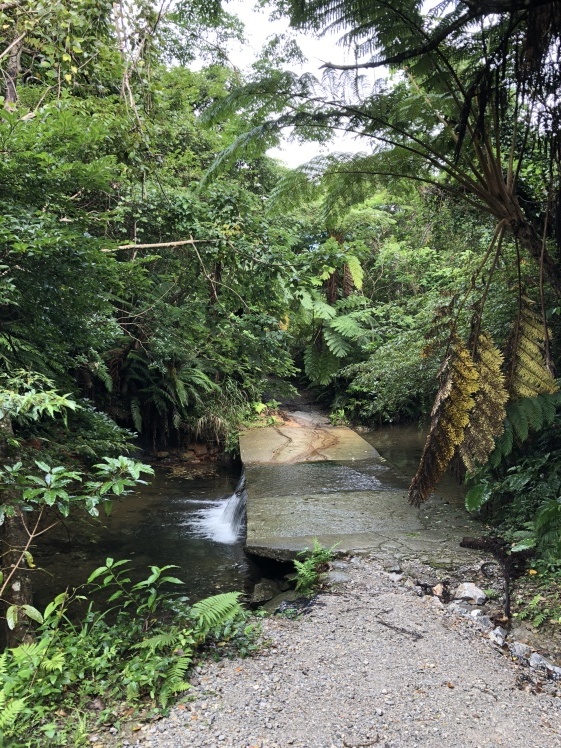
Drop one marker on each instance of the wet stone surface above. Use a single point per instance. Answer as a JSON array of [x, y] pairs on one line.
[[296, 495]]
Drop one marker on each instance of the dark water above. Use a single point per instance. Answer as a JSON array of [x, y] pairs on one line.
[[173, 520], [185, 522], [402, 447]]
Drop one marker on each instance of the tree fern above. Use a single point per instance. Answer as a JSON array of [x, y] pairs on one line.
[[347, 325], [529, 374], [337, 344], [320, 365], [524, 416], [323, 310], [355, 270]]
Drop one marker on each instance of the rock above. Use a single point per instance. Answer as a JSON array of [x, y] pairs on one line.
[[395, 577], [470, 592], [285, 597], [438, 589], [484, 623], [198, 449], [189, 456], [461, 608], [538, 662], [265, 590], [520, 652], [333, 578], [435, 601], [498, 636]]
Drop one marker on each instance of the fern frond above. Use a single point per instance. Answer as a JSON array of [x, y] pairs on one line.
[[529, 375], [320, 366], [356, 272], [54, 663], [215, 611], [486, 420], [503, 445], [10, 711], [522, 417], [323, 310], [336, 343], [450, 416], [160, 641], [347, 325]]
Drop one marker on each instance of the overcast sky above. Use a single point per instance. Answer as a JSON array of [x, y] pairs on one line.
[[258, 29]]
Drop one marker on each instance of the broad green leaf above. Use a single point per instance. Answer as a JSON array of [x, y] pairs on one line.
[[12, 617], [32, 613]]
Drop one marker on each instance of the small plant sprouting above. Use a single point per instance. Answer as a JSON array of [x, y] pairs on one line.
[[315, 562]]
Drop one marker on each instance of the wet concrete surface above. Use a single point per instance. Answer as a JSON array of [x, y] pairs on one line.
[[353, 500]]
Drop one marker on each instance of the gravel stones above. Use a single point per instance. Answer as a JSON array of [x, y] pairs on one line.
[[372, 664]]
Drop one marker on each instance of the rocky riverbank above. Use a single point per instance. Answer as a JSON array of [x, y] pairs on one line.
[[385, 658]]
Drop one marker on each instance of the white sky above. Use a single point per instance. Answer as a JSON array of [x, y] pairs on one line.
[[258, 29]]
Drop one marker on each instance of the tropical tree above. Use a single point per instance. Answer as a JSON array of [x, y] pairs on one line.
[[469, 103]]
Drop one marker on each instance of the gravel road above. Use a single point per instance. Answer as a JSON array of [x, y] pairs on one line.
[[371, 664]]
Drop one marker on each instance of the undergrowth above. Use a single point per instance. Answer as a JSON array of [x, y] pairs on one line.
[[537, 598], [134, 652], [309, 570]]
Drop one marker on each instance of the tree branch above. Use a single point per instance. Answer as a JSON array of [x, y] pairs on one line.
[[161, 244]]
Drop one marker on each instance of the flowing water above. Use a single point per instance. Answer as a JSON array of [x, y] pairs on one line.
[[198, 523], [195, 523]]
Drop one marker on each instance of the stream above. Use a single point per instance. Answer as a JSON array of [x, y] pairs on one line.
[[187, 521]]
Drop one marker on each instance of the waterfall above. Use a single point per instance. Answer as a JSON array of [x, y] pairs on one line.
[[224, 520]]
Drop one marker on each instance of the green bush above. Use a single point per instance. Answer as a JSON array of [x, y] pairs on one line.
[[137, 651], [522, 495]]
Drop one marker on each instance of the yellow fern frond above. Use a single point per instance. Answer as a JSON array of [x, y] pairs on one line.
[[529, 375], [486, 420], [449, 418]]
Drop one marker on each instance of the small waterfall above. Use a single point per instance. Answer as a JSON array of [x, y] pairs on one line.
[[224, 520]]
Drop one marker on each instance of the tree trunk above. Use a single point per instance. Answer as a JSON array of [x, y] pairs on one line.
[[14, 538], [12, 73]]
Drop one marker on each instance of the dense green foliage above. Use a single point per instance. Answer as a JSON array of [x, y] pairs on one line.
[[161, 277], [138, 643]]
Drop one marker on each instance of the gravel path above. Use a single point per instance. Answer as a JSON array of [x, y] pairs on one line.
[[371, 664]]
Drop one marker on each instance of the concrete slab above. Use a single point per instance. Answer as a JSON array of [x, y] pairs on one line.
[[290, 444], [308, 480]]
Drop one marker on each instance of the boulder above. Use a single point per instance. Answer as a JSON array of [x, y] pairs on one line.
[[498, 636], [520, 652], [265, 590], [470, 592]]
